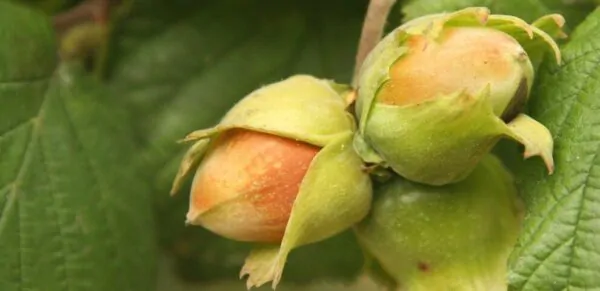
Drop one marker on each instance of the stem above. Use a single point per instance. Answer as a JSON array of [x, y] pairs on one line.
[[88, 11], [372, 31], [82, 30]]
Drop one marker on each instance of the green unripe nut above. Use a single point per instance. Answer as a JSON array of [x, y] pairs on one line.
[[455, 237]]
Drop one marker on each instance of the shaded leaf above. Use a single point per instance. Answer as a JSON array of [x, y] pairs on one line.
[[204, 257], [73, 213], [180, 65], [560, 248], [529, 10], [48, 6]]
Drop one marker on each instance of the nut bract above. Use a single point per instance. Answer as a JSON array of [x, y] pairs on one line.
[[278, 168], [436, 94], [454, 237]]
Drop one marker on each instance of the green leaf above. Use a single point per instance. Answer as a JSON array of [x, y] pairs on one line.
[[529, 10], [178, 66], [48, 6], [559, 248], [417, 8], [74, 214]]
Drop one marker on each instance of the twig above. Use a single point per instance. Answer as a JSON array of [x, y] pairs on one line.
[[88, 11], [372, 31]]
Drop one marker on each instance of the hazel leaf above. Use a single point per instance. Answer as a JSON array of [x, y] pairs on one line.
[[529, 10], [559, 246], [74, 211]]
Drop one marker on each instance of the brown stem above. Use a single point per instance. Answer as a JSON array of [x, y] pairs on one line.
[[372, 31], [88, 11]]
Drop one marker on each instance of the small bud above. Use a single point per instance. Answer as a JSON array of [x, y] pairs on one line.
[[454, 237], [436, 94], [279, 168]]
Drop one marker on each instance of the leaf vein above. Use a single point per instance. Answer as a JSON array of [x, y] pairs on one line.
[[571, 103], [24, 81], [576, 91], [581, 205], [536, 233], [12, 196], [94, 174], [22, 168], [541, 262], [17, 127], [55, 207]]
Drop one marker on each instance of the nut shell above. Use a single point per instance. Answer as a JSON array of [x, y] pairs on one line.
[[246, 185]]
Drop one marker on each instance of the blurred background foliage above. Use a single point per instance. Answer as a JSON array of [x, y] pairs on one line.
[[178, 65]]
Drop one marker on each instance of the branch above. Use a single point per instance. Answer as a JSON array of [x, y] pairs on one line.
[[372, 31]]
